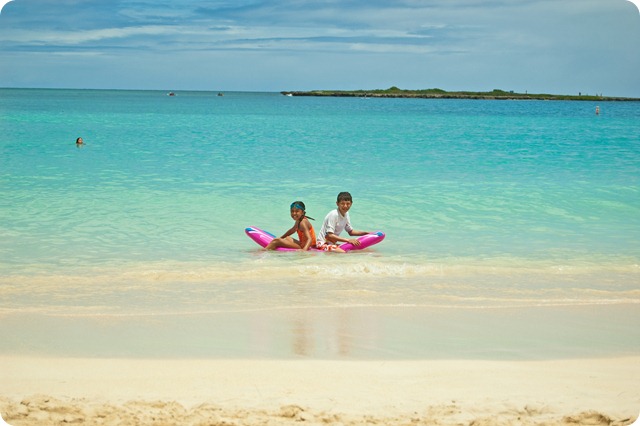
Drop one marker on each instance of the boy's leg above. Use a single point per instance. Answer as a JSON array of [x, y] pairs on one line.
[[330, 247]]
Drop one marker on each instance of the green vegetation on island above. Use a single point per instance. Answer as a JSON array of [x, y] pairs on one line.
[[394, 92]]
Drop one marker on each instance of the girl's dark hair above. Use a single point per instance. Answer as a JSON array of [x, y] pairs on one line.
[[344, 196], [300, 205]]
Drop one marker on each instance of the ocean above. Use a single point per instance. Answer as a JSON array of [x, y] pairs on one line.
[[496, 213]]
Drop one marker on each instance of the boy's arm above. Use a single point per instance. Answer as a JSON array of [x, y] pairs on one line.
[[353, 232], [333, 238]]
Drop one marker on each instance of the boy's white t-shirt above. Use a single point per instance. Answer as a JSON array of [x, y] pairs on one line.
[[333, 223]]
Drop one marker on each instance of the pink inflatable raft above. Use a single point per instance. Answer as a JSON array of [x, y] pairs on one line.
[[262, 238]]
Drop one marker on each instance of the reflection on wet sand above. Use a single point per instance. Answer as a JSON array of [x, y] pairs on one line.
[[335, 332], [302, 336]]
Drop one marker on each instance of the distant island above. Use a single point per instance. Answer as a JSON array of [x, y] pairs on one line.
[[394, 92]]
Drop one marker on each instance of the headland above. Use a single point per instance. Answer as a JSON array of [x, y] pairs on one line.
[[496, 94]]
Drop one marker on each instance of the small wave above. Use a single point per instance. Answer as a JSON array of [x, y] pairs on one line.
[[312, 282], [265, 269]]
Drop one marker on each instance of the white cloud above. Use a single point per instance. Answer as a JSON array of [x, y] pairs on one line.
[[64, 37], [448, 44]]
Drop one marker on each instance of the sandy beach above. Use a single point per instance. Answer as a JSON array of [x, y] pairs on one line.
[[38, 391], [533, 366]]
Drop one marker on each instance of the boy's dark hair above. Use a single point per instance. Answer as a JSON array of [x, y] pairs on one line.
[[344, 196]]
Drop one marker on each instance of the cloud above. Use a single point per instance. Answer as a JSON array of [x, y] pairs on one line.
[[409, 43], [297, 25], [76, 38]]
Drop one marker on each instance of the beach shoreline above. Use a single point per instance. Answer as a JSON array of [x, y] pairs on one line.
[[240, 391]]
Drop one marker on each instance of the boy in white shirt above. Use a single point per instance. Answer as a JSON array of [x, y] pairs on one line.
[[334, 223]]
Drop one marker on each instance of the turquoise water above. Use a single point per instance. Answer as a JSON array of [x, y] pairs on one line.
[[484, 203]]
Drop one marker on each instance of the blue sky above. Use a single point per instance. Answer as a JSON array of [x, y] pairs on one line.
[[541, 46]]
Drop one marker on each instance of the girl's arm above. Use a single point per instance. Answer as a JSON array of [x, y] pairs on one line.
[[289, 232]]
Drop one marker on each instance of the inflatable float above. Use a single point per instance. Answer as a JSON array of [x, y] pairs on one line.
[[262, 238]]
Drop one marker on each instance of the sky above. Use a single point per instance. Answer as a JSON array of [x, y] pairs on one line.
[[535, 46]]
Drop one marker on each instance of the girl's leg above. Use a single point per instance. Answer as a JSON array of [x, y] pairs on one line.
[[287, 242]]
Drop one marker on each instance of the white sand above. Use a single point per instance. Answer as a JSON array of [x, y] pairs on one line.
[[246, 392]]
